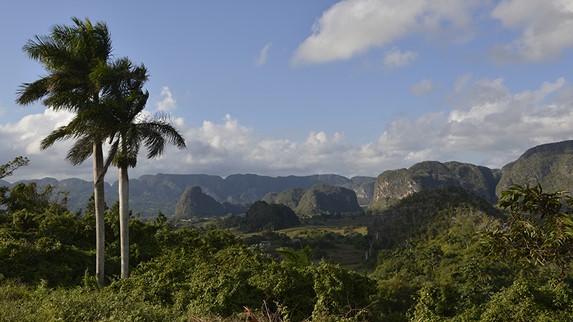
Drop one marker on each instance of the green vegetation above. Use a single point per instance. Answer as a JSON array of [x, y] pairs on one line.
[[539, 229], [548, 164], [107, 98], [176, 273], [320, 199], [325, 199], [393, 185], [9, 168], [262, 216], [77, 59], [461, 261], [196, 204]]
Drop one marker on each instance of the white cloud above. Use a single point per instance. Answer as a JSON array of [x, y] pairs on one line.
[[406, 135], [167, 102], [493, 128], [395, 58], [544, 26], [423, 87], [24, 137], [263, 54], [31, 129], [487, 124], [352, 27], [498, 121]]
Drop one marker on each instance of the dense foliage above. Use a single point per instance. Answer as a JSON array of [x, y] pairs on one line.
[[177, 273], [444, 269], [262, 216]]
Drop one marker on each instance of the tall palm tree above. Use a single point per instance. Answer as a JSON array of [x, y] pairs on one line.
[[74, 57], [128, 100]]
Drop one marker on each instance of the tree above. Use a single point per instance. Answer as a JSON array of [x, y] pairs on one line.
[[262, 215], [538, 231], [127, 101], [74, 57], [9, 168]]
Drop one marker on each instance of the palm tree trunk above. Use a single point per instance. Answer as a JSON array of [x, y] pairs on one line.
[[124, 219], [99, 212]]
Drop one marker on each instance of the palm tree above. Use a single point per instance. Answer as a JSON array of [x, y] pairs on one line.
[[128, 102], [74, 57]]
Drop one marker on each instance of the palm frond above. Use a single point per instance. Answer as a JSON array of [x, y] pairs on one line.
[[81, 150], [28, 93], [60, 134]]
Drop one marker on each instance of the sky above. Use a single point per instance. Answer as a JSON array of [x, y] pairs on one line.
[[300, 87]]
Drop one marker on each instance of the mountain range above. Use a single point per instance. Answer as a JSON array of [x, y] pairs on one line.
[[551, 165], [150, 194]]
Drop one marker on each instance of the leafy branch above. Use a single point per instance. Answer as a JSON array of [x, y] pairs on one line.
[[9, 168]]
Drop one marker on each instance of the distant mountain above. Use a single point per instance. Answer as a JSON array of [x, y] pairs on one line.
[[289, 198], [78, 191], [364, 188], [326, 199], [194, 203], [551, 165], [394, 185], [150, 194], [318, 199]]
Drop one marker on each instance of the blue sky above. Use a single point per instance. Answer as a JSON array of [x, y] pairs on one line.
[[301, 87]]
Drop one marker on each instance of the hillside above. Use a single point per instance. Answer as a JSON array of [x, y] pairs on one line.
[[551, 165], [394, 185], [289, 198], [319, 199], [195, 203], [424, 212], [325, 199]]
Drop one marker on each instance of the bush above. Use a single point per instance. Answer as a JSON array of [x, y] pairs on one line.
[[20, 303]]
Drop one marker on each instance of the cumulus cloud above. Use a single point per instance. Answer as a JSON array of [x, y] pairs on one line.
[[544, 26], [228, 147], [487, 124], [497, 124], [352, 27], [167, 102], [423, 87], [263, 54], [24, 137]]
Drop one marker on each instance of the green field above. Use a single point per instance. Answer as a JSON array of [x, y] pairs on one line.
[[340, 240]]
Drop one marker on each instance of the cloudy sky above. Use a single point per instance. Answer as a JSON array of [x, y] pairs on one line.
[[301, 87]]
